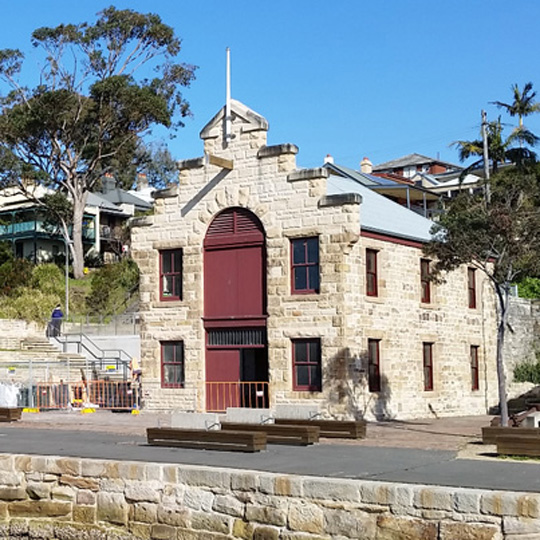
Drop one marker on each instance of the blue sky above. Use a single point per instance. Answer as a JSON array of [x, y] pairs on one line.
[[351, 78]]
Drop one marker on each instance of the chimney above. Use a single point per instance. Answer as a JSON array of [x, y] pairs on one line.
[[142, 182], [366, 166], [108, 183], [328, 159]]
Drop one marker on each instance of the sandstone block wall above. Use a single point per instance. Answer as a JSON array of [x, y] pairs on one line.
[[67, 498]]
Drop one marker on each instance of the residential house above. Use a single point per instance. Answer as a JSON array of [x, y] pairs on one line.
[[262, 283], [22, 224], [408, 166]]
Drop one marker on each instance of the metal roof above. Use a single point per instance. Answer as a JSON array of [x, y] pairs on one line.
[[382, 215], [411, 159]]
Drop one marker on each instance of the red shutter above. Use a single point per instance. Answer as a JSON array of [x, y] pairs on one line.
[[234, 226]]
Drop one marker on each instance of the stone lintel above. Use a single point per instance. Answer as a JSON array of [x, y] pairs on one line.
[[277, 150], [194, 163], [165, 193], [340, 199], [308, 174]]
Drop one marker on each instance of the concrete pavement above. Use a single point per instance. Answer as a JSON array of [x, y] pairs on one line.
[[410, 459]]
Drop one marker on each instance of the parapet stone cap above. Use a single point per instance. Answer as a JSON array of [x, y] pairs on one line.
[[277, 150], [165, 193], [340, 199], [308, 174]]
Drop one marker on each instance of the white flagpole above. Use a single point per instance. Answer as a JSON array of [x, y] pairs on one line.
[[228, 100]]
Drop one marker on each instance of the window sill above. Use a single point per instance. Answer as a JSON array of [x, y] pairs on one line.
[[374, 299], [429, 305], [168, 304]]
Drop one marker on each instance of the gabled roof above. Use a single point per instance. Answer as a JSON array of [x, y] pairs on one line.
[[119, 196], [340, 170], [97, 200], [382, 215], [253, 121], [411, 159]]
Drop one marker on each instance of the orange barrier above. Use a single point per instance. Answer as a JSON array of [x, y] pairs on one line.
[[115, 395], [252, 394]]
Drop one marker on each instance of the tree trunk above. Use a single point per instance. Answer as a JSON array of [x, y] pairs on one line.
[[502, 295], [77, 236]]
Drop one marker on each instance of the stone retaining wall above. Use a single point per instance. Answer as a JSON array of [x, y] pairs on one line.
[[69, 498]]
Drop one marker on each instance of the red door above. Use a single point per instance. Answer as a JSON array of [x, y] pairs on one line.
[[234, 298]]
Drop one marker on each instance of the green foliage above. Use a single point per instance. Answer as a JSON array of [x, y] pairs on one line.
[[111, 286], [49, 279], [90, 107], [528, 371], [14, 273], [6, 252], [499, 234], [529, 287], [29, 304]]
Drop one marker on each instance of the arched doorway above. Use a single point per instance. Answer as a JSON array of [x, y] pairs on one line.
[[235, 311]]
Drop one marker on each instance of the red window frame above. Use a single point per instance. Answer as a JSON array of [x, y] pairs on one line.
[[424, 281], [475, 378], [174, 364], [372, 278], [471, 286], [306, 269], [374, 365], [307, 357], [174, 274], [427, 354]]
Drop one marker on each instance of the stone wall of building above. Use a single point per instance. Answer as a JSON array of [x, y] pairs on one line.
[[67, 498], [522, 341]]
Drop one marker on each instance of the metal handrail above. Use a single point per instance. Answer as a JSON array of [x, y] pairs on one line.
[[119, 356]]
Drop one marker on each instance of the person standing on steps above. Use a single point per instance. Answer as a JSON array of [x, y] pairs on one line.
[[56, 321]]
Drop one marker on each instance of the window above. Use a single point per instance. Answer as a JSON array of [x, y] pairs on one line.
[[424, 280], [428, 366], [372, 288], [170, 274], [305, 265], [374, 374], [471, 279], [307, 364], [172, 364], [475, 381]]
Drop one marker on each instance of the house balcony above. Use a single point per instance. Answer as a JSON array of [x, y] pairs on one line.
[[36, 228]]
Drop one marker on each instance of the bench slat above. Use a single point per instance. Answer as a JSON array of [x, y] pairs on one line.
[[519, 446], [211, 440], [490, 434], [10, 414], [280, 434], [334, 429]]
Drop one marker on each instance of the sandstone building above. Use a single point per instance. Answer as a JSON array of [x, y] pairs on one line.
[[262, 283]]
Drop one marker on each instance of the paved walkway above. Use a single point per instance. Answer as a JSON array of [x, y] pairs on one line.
[[428, 434], [420, 452]]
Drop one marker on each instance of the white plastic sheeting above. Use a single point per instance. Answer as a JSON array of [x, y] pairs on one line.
[[8, 395]]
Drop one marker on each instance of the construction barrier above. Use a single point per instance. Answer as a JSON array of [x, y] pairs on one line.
[[93, 394], [252, 394]]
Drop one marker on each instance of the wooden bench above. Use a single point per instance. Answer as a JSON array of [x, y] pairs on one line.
[[332, 429], [242, 441], [299, 435], [522, 445], [491, 434], [10, 414]]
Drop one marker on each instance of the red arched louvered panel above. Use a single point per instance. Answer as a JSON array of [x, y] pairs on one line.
[[234, 226]]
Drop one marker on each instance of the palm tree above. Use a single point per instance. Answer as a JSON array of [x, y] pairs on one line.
[[497, 147], [523, 104]]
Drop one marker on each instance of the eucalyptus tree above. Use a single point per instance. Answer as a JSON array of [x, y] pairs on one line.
[[499, 235], [101, 89]]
